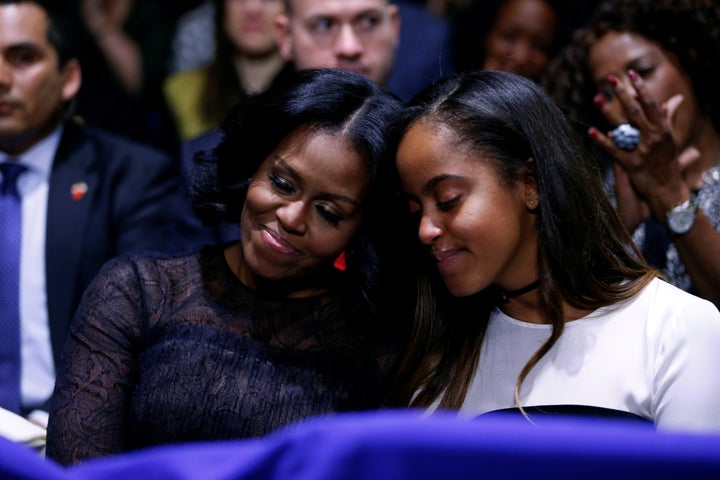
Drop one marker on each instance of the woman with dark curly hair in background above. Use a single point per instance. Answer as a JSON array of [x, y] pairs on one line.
[[642, 81]]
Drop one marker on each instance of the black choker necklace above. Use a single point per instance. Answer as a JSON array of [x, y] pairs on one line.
[[505, 295]]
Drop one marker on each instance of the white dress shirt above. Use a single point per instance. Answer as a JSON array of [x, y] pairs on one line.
[[37, 367]]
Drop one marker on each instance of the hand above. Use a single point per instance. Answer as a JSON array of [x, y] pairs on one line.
[[105, 16], [654, 168]]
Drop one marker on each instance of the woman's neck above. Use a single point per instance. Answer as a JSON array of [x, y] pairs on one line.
[[529, 308], [256, 73], [303, 287]]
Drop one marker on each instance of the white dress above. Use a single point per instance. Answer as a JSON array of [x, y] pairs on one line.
[[656, 355]]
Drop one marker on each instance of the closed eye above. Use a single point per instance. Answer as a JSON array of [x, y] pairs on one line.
[[281, 184], [448, 204], [330, 216]]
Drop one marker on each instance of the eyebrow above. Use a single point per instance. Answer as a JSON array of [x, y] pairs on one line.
[[298, 178], [433, 182]]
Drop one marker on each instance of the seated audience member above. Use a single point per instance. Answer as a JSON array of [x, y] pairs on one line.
[[240, 339], [364, 35], [518, 36], [246, 61], [559, 308], [72, 197], [123, 46], [643, 76], [359, 35]]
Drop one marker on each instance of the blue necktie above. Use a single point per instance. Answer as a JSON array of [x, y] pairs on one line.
[[10, 233]]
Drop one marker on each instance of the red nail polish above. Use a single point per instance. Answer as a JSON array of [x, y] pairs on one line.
[[612, 80], [593, 133], [599, 100], [633, 75]]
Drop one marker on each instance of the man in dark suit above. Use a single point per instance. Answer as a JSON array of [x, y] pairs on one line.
[[85, 196]]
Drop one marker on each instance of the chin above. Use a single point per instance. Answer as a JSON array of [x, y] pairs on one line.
[[460, 289]]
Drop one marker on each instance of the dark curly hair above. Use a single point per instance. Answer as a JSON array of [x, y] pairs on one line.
[[332, 101], [690, 29]]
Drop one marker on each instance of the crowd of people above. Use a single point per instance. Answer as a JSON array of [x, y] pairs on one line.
[[221, 217]]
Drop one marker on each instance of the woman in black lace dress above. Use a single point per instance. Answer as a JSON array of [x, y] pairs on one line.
[[241, 339]]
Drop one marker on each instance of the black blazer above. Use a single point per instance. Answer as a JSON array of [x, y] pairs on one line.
[[129, 206]]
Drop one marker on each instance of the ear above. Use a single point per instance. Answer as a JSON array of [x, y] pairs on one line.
[[531, 195], [72, 79], [283, 37], [395, 22]]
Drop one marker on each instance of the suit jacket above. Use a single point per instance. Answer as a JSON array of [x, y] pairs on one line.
[[108, 197]]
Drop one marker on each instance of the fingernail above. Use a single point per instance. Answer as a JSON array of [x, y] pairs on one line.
[[593, 133], [633, 75], [599, 100], [612, 80]]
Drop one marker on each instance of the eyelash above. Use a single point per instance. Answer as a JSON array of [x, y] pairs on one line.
[[281, 184], [286, 187], [330, 217], [447, 205]]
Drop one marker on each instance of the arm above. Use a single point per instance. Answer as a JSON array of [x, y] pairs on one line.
[[105, 20], [652, 179], [95, 381]]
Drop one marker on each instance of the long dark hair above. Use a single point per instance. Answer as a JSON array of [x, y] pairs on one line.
[[332, 101], [586, 256]]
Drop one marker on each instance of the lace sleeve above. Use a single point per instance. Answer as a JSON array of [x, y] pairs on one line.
[[95, 380]]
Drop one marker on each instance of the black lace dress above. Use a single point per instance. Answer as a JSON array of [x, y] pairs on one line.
[[176, 350]]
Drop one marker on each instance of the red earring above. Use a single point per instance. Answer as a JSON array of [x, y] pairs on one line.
[[340, 262]]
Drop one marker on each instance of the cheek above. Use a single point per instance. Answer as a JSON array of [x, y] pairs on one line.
[[328, 242], [259, 200]]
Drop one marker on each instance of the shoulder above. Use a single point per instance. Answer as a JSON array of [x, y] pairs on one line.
[[677, 317], [149, 271], [103, 145]]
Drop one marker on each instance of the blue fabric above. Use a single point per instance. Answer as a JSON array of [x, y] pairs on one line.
[[10, 241], [400, 445]]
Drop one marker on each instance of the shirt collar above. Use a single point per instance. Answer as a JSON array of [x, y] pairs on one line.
[[39, 158]]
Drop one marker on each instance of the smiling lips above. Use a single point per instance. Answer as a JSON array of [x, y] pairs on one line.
[[446, 258], [276, 243]]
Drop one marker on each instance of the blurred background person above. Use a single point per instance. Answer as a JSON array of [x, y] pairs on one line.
[[517, 36], [655, 65], [123, 47], [246, 61]]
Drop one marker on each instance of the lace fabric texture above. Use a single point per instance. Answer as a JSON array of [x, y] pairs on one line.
[[177, 350]]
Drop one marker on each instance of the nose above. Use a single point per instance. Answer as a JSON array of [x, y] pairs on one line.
[[429, 230], [348, 45], [291, 217], [521, 52]]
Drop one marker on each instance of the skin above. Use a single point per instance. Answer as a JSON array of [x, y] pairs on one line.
[[33, 87], [251, 25], [303, 206], [521, 38], [357, 35], [644, 85], [480, 230]]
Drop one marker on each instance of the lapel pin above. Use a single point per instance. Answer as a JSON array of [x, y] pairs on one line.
[[78, 190]]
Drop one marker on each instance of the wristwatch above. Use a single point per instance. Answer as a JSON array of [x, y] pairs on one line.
[[681, 218]]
